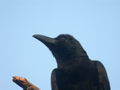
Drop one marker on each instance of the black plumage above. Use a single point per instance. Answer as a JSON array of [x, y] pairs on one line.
[[75, 70]]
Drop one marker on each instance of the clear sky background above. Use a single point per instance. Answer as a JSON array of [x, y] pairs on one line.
[[95, 23]]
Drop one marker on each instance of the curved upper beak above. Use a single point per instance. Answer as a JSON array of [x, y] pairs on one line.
[[49, 42]]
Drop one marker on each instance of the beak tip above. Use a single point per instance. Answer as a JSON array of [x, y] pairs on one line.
[[44, 39], [35, 35]]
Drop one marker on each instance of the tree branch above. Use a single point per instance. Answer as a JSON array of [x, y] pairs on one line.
[[22, 82]]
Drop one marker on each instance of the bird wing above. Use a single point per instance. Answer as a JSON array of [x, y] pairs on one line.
[[54, 80], [102, 77]]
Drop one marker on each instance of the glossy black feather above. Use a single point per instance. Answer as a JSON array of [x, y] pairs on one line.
[[75, 70]]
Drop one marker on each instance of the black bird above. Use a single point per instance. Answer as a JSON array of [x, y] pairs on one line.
[[75, 70]]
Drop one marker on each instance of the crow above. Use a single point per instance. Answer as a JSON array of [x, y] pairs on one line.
[[75, 71]]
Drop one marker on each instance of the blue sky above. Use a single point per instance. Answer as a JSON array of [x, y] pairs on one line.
[[95, 23]]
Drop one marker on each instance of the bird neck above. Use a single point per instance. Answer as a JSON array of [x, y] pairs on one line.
[[72, 62]]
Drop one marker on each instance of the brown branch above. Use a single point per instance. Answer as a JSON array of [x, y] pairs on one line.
[[22, 82]]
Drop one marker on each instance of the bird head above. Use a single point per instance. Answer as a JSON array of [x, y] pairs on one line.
[[64, 47]]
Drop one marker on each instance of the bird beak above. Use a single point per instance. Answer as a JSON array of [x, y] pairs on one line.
[[49, 42]]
